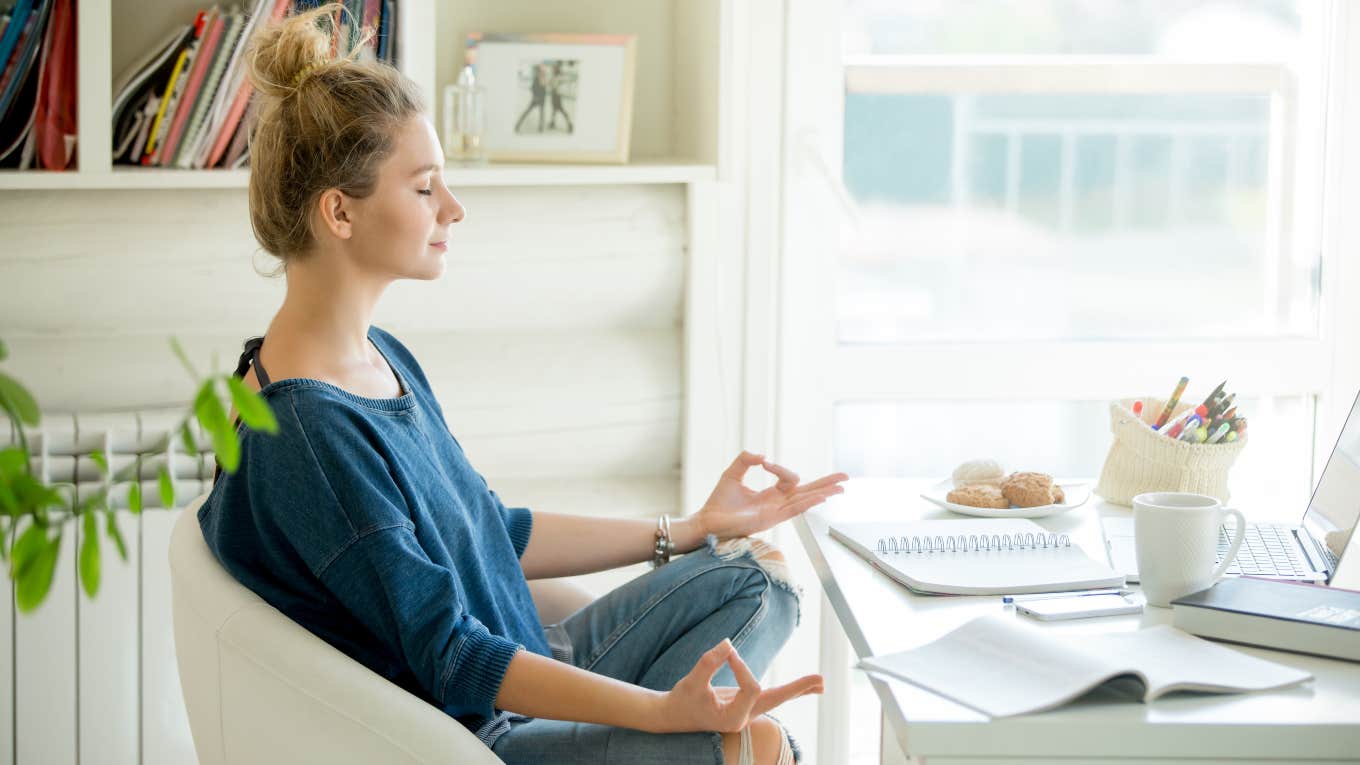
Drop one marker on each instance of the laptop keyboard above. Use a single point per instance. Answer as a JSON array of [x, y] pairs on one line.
[[1267, 550]]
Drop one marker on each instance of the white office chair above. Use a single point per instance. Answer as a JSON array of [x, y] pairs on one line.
[[260, 688]]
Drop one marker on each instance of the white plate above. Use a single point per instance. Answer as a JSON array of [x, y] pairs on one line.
[[1076, 492]]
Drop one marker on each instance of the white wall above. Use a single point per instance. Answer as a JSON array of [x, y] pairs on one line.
[[553, 341]]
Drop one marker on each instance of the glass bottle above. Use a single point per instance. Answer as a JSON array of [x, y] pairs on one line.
[[464, 119]]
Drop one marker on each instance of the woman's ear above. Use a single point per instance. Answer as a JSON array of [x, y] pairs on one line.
[[336, 210]]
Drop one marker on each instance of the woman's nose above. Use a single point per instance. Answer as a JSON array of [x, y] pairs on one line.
[[453, 210]]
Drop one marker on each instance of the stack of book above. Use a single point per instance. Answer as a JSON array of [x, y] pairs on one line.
[[38, 85], [185, 104]]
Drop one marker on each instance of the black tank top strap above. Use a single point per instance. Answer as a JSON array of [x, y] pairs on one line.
[[250, 356]]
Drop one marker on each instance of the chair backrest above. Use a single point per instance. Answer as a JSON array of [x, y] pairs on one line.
[[260, 688]]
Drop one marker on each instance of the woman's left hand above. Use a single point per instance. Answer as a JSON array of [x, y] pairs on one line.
[[733, 510]]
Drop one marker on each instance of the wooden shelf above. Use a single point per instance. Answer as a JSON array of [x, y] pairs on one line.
[[645, 171]]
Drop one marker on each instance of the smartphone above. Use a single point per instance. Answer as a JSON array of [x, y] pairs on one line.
[[1051, 609]]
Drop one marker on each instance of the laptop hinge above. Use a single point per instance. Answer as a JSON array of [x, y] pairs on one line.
[[1317, 559]]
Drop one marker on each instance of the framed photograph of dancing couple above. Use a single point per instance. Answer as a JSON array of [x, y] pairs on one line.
[[555, 97]]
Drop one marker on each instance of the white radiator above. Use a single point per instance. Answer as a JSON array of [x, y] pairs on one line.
[[94, 680]]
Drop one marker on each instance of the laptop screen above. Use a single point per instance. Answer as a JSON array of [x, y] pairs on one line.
[[1335, 507]]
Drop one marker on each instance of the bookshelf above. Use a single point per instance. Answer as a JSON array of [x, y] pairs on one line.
[[676, 111]]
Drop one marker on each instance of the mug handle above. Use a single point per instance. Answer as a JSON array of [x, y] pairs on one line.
[[1236, 543]]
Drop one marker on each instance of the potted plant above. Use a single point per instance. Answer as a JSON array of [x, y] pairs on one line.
[[32, 556]]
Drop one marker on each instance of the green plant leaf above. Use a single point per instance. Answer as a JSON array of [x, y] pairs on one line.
[[4, 352], [30, 543], [100, 460], [32, 494], [167, 489], [18, 400], [13, 461], [254, 411], [207, 408], [89, 556], [186, 435], [228, 448], [135, 497], [9, 501], [35, 579], [111, 527]]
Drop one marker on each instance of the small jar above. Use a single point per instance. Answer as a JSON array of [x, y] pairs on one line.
[[464, 119]]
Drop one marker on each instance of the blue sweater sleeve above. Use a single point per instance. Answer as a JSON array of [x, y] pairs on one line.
[[385, 579]]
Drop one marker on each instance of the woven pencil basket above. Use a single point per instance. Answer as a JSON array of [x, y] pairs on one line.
[[1141, 459]]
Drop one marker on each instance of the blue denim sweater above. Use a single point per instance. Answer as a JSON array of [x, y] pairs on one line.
[[363, 521]]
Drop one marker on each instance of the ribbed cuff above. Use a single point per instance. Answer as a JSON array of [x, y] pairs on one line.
[[481, 665], [521, 523]]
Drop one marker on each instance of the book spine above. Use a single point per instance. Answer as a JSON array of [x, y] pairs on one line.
[[193, 137], [1253, 629], [172, 88], [193, 89]]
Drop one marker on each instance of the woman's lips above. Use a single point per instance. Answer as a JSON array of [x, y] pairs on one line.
[[440, 245]]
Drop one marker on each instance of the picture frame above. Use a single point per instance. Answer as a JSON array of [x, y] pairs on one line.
[[555, 97]]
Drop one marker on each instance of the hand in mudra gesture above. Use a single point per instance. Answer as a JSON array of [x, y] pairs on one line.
[[733, 510], [695, 705]]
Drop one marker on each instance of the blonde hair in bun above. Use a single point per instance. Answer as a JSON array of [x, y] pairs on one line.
[[319, 123]]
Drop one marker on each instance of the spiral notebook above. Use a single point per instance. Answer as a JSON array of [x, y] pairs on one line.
[[994, 556]]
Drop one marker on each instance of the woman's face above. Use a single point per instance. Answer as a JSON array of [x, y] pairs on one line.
[[402, 228]]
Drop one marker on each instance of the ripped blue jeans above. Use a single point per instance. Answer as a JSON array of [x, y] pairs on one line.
[[650, 632]]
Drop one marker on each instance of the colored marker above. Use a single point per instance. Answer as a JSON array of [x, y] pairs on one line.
[[1138, 407], [1171, 403], [1188, 424], [1219, 433], [1232, 436], [1175, 423]]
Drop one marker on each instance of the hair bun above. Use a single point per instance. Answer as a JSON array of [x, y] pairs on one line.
[[281, 54]]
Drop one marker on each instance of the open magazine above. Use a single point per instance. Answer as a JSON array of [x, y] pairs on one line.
[[1002, 666]]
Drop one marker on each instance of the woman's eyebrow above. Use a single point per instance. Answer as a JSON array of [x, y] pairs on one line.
[[424, 169]]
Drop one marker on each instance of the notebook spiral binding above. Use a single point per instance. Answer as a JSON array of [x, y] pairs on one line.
[[971, 543]]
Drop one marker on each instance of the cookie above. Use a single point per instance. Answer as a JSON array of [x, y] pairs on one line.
[[1026, 489], [978, 472], [981, 495]]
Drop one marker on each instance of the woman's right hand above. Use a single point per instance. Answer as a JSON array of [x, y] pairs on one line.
[[695, 705]]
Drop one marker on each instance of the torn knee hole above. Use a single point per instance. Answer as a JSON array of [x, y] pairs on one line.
[[766, 555]]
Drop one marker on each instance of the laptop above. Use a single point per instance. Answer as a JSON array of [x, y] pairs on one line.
[[1307, 552]]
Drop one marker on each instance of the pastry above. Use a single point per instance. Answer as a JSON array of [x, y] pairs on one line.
[[978, 472], [1027, 489], [980, 495]]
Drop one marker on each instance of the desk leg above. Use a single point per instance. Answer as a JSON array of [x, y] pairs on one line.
[[889, 753]]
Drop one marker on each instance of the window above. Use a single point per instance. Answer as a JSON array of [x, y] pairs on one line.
[[1002, 215]]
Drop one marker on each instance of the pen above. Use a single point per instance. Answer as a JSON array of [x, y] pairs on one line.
[[1210, 398], [1171, 403], [1223, 405], [1073, 594]]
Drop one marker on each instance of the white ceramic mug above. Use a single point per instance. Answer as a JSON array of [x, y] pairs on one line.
[[1176, 535]]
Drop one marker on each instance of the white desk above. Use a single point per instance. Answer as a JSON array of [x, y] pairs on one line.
[[1318, 721]]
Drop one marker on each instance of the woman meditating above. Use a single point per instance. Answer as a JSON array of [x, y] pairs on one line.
[[362, 519]]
